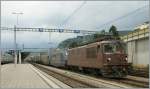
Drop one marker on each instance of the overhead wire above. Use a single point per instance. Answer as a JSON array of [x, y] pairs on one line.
[[121, 17], [75, 11]]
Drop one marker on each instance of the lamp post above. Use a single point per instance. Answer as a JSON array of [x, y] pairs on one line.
[[17, 14], [15, 27]]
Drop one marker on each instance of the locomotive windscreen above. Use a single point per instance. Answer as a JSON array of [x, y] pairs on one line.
[[109, 48], [116, 47]]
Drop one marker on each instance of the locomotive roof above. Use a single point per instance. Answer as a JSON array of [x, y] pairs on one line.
[[111, 41], [98, 43]]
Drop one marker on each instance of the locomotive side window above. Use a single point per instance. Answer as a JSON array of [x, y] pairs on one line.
[[91, 52]]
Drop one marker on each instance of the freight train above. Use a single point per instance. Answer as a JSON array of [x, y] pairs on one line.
[[106, 57]]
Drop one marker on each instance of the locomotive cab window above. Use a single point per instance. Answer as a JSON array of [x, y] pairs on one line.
[[109, 48], [114, 48]]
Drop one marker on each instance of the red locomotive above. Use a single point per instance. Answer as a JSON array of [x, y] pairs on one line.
[[107, 57]]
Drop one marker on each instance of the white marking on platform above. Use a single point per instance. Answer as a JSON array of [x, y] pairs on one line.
[[56, 81], [50, 83]]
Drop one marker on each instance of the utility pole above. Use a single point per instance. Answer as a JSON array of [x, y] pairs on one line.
[[49, 46], [0, 56], [20, 56], [22, 46], [15, 43]]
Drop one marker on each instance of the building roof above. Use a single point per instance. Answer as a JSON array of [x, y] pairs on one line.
[[139, 32]]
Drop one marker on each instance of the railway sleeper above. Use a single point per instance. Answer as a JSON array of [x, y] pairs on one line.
[[109, 71]]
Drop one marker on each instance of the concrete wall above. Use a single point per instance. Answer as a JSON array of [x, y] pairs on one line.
[[138, 52]]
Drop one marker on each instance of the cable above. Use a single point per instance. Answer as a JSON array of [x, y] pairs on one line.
[[126, 15], [75, 11]]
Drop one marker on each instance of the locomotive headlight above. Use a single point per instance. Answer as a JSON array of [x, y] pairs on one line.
[[109, 59], [126, 59]]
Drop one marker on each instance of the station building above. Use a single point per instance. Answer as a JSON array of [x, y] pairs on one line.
[[138, 46]]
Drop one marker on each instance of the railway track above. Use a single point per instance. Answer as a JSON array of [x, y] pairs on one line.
[[129, 80], [126, 81], [76, 80], [135, 83], [69, 81], [140, 74]]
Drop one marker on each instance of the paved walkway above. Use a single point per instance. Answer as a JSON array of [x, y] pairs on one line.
[[21, 76]]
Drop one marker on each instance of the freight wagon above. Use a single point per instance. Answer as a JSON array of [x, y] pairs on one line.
[[58, 58]]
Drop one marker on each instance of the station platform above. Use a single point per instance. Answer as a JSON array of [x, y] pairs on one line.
[[146, 80], [26, 76]]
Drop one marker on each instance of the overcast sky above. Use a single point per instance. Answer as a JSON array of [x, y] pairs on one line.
[[80, 15]]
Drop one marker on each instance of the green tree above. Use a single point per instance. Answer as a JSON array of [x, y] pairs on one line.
[[114, 32]]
